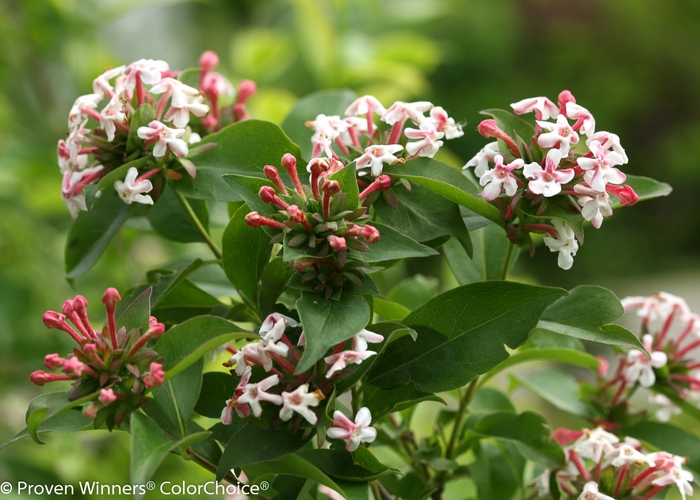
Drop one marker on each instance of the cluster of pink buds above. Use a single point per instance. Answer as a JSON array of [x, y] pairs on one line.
[[316, 218], [274, 359], [601, 467], [115, 366], [357, 138], [555, 165], [100, 140]]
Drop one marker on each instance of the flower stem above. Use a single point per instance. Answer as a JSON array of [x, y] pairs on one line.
[[198, 225], [459, 418], [506, 263]]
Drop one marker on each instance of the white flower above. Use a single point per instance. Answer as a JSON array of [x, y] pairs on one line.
[[640, 368], [676, 475], [342, 359], [148, 71], [480, 162], [565, 244], [593, 443], [299, 401], [429, 140], [179, 93], [400, 111], [181, 116], [131, 191], [79, 112], [324, 136], [548, 181], [609, 141], [544, 108], [601, 168], [499, 178], [101, 85], [667, 410], [590, 492], [361, 338], [376, 156], [582, 115], [164, 137], [595, 204], [111, 114], [355, 432], [364, 105], [253, 394], [628, 453], [560, 135], [443, 123]]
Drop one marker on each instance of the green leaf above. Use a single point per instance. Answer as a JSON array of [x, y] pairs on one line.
[[394, 245], [347, 179], [70, 421], [585, 314], [490, 252], [360, 465], [178, 396], [149, 447], [491, 471], [272, 284], [137, 313], [106, 184], [141, 118], [487, 399], [461, 334], [328, 102], [424, 215], [246, 251], [47, 406], [556, 387], [527, 431], [247, 188], [448, 182], [384, 401], [646, 188], [328, 322], [668, 438], [557, 208], [388, 310], [217, 387], [184, 344], [252, 445], [414, 292], [170, 220], [183, 302], [242, 148], [570, 356], [89, 235]]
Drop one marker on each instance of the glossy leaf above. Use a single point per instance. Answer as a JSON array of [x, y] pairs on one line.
[[394, 245], [360, 465], [149, 447], [91, 233], [490, 252], [242, 148], [246, 251], [347, 179], [585, 314], [184, 302], [384, 401], [570, 356], [137, 312], [70, 421], [170, 220], [448, 182], [273, 280], [491, 471], [646, 188], [329, 322], [292, 465], [217, 387], [178, 396], [527, 431], [556, 387], [461, 334], [328, 102], [47, 406], [424, 215], [184, 344]]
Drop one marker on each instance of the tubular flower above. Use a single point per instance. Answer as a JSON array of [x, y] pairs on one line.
[[355, 432]]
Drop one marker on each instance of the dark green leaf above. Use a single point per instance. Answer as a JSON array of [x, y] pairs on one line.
[[487, 399], [490, 251], [178, 396], [328, 322], [570, 356], [556, 387], [184, 344], [65, 422], [48, 406], [461, 334], [585, 314], [646, 188], [527, 431], [170, 220], [384, 401], [149, 447], [360, 465], [328, 102], [137, 312], [183, 302], [348, 184], [217, 387], [90, 234], [246, 251], [669, 438], [491, 471], [447, 182], [394, 245], [424, 215], [242, 148], [272, 285]]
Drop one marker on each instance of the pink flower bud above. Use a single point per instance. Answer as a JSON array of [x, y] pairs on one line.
[[337, 243], [53, 361], [489, 128], [52, 319], [296, 213], [240, 112], [269, 195], [564, 97], [74, 366], [253, 219], [107, 396], [273, 174], [602, 366], [155, 329], [90, 411], [625, 194], [208, 60], [370, 233], [565, 436], [111, 297], [40, 377], [318, 165], [289, 162], [330, 188], [155, 377], [90, 350], [246, 89]]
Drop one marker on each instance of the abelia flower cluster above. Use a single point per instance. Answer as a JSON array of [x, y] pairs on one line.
[[358, 138], [316, 220], [296, 393], [565, 162], [101, 139], [112, 365], [599, 466]]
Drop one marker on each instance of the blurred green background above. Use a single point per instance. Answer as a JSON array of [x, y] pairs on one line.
[[633, 64]]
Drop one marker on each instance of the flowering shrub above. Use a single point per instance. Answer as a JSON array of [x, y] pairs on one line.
[[322, 367]]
